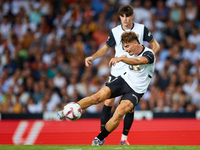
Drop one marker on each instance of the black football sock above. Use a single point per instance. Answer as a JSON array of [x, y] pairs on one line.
[[105, 116], [128, 120], [103, 134]]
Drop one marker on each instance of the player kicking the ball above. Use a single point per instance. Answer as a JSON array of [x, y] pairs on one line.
[[126, 15], [131, 84]]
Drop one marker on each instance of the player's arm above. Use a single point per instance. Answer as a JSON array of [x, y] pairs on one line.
[[155, 46], [102, 51], [149, 38], [131, 61], [147, 57]]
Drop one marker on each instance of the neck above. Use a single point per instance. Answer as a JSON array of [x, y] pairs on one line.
[[127, 27], [139, 48]]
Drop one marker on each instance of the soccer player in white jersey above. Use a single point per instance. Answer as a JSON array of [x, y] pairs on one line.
[[126, 15], [131, 84]]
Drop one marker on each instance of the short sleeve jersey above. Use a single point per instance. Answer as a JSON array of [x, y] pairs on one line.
[[138, 77], [114, 40]]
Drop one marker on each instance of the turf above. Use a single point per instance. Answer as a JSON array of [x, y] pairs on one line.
[[88, 147]]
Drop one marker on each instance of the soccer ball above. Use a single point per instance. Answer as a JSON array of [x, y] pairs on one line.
[[72, 111]]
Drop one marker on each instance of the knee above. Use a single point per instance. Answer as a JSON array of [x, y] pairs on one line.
[[95, 99], [109, 102], [119, 115]]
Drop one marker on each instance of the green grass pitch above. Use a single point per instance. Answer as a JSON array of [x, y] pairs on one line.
[[88, 147]]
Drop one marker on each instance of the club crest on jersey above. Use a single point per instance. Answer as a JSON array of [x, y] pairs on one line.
[[134, 68]]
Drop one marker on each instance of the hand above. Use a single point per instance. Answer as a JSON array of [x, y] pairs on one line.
[[123, 56], [115, 60], [88, 61]]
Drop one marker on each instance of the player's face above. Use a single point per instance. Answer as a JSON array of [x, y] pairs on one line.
[[130, 47], [126, 21]]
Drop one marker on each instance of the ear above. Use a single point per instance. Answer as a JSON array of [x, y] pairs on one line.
[[135, 42]]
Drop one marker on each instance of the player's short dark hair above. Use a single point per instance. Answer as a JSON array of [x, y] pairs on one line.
[[125, 10], [128, 37]]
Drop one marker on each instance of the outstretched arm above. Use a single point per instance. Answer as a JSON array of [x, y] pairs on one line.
[[131, 61], [102, 51]]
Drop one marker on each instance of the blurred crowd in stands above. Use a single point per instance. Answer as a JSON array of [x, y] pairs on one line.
[[43, 44]]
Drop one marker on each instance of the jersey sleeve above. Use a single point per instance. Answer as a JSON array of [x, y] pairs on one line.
[[147, 35], [149, 55], [111, 40]]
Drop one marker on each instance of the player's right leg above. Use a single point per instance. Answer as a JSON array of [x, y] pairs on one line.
[[105, 116], [97, 142], [106, 112], [124, 107]]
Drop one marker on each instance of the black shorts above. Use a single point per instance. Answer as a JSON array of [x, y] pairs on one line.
[[119, 87], [111, 77]]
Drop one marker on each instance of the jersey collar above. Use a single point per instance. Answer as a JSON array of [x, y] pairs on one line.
[[141, 51], [126, 30]]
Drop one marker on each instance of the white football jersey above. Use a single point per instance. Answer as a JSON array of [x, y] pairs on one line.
[[114, 39], [138, 77]]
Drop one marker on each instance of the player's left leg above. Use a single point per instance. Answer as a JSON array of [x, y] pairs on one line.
[[124, 107]]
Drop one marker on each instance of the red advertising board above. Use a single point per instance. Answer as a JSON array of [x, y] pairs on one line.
[[82, 131]]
